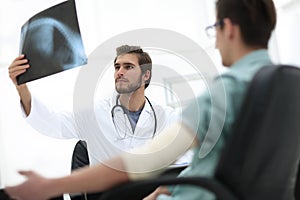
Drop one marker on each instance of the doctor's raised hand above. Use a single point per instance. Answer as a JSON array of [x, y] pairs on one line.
[[17, 67]]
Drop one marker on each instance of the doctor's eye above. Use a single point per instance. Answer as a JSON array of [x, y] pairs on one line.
[[117, 67], [129, 66]]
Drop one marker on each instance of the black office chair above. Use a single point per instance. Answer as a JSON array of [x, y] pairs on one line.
[[260, 160], [80, 158], [297, 187]]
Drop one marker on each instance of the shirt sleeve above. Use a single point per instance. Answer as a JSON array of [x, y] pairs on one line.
[[51, 122], [212, 114], [205, 115]]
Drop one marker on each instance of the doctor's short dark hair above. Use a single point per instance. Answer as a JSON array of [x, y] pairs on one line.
[[144, 58], [256, 18]]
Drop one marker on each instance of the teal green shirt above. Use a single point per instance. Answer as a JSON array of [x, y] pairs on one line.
[[211, 116]]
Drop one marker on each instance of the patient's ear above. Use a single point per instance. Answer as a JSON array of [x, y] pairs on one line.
[[230, 29]]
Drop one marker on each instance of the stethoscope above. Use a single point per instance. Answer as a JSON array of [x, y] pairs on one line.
[[120, 109]]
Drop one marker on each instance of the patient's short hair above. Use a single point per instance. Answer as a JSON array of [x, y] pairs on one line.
[[256, 18]]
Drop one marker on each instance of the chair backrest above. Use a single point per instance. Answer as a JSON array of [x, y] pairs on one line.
[[80, 157], [297, 186], [260, 160]]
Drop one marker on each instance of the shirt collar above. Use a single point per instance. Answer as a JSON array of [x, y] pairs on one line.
[[261, 55]]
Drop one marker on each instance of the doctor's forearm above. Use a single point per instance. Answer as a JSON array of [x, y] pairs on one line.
[[25, 97]]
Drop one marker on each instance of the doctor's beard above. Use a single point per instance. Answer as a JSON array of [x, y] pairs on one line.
[[130, 88]]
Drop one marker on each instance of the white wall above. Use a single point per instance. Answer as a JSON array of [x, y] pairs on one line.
[[288, 32]]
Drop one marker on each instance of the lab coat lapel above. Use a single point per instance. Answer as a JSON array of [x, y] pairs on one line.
[[145, 125]]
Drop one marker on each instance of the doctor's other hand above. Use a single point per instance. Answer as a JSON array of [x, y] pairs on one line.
[[35, 187], [17, 67]]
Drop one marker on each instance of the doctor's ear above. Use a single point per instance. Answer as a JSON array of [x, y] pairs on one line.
[[147, 77]]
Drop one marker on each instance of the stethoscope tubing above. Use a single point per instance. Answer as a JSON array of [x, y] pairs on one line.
[[122, 108]]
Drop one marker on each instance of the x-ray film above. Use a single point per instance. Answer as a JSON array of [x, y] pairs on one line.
[[51, 41]]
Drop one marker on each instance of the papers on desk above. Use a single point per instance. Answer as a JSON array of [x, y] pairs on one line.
[[183, 161]]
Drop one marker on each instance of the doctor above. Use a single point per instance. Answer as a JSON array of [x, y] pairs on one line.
[[126, 120]]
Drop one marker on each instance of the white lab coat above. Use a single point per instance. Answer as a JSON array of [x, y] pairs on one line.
[[96, 127]]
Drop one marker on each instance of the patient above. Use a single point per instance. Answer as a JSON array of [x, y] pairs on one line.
[[243, 29]]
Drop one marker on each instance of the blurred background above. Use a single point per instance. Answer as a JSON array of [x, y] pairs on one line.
[[21, 147]]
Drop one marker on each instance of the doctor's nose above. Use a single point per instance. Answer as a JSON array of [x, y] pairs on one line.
[[120, 72]]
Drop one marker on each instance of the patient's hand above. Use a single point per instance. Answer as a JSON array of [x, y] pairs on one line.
[[158, 191], [34, 188]]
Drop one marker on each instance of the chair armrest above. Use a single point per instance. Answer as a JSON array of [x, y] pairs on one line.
[[137, 190]]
